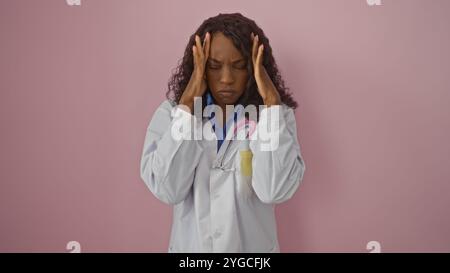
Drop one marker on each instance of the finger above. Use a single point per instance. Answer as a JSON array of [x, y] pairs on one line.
[[255, 49], [198, 44], [194, 54], [206, 38], [207, 45], [260, 55]]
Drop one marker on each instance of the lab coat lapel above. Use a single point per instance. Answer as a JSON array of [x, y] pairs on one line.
[[224, 148]]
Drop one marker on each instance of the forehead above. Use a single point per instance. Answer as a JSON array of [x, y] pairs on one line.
[[223, 49]]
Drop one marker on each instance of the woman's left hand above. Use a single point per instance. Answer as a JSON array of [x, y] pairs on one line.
[[266, 88]]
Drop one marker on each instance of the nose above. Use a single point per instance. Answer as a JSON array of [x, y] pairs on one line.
[[226, 76]]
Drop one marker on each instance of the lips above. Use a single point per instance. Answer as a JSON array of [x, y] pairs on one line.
[[227, 92]]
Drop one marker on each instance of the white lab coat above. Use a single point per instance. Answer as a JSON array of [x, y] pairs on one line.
[[216, 207]]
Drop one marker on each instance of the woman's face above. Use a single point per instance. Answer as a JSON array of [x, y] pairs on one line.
[[226, 70]]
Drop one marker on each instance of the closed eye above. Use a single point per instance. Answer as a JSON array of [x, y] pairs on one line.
[[241, 66], [211, 66]]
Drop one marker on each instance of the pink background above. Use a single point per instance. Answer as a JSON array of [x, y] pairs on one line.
[[79, 85]]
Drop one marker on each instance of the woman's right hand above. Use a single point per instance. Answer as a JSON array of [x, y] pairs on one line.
[[197, 83]]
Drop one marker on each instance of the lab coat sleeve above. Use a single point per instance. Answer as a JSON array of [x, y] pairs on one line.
[[168, 164], [278, 166]]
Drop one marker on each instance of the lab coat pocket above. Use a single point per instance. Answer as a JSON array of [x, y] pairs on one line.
[[244, 175], [246, 162]]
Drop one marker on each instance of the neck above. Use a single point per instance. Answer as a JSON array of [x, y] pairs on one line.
[[225, 115]]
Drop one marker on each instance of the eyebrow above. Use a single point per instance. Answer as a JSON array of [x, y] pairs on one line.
[[217, 61]]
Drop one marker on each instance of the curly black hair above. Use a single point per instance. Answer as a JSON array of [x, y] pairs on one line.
[[238, 28]]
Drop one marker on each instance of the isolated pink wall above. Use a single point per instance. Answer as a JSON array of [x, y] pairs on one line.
[[80, 84]]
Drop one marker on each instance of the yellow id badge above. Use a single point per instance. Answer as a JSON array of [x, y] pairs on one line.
[[246, 162]]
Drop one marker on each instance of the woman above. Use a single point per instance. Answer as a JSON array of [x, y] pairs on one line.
[[224, 190]]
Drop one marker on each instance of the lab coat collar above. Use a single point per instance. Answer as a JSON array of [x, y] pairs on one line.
[[229, 132]]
